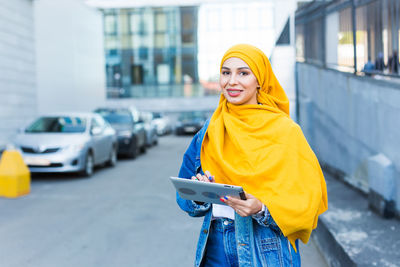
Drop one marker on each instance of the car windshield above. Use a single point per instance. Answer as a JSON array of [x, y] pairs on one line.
[[116, 116], [191, 115], [157, 115], [62, 124]]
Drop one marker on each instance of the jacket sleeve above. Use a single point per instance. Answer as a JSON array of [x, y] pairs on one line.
[[187, 170], [265, 219]]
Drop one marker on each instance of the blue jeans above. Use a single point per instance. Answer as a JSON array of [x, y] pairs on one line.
[[221, 245]]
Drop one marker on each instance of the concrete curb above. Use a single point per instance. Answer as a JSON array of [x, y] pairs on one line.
[[333, 252], [350, 234]]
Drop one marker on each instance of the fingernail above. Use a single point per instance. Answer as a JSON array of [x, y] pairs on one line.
[[210, 178], [226, 197], [223, 200]]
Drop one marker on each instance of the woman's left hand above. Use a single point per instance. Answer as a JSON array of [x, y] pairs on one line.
[[246, 207]]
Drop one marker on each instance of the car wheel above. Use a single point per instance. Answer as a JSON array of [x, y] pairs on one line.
[[113, 157], [143, 148], [89, 165], [134, 151]]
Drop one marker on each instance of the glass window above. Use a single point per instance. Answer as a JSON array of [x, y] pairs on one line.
[[111, 42], [110, 24], [62, 124], [362, 35], [188, 38], [300, 42], [187, 21], [393, 24], [331, 39], [160, 40], [161, 22], [135, 23], [115, 116], [124, 23], [313, 44], [345, 47], [136, 41]]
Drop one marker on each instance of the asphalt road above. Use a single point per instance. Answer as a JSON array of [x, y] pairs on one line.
[[122, 216]]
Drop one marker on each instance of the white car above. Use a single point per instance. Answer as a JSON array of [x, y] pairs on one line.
[[162, 123], [68, 142]]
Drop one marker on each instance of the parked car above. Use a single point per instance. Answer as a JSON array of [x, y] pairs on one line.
[[150, 127], [67, 142], [190, 122], [130, 129], [163, 124]]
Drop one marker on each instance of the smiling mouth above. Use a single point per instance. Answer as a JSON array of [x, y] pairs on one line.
[[233, 92]]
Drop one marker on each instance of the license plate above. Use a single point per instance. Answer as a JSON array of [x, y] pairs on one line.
[[190, 129], [37, 161]]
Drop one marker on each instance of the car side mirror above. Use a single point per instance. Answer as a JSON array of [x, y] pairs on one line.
[[95, 131]]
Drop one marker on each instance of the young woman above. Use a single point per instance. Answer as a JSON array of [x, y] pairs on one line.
[[251, 141]]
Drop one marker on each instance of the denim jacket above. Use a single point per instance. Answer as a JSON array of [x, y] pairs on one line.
[[259, 240]]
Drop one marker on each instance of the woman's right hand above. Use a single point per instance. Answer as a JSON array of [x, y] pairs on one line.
[[207, 177]]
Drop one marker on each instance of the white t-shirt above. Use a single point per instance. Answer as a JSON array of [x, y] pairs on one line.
[[222, 211]]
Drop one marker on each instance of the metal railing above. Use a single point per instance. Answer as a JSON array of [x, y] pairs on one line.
[[348, 34]]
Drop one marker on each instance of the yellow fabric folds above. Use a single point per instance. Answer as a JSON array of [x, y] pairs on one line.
[[260, 148]]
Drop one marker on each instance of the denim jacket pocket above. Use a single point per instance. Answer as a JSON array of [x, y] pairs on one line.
[[270, 251], [269, 244]]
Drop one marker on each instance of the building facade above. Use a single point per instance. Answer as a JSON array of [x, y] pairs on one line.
[[151, 51], [174, 51]]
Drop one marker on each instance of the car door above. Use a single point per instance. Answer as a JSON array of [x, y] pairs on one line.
[[109, 137], [97, 134], [138, 127]]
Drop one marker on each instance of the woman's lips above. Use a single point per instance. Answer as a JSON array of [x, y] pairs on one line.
[[233, 92]]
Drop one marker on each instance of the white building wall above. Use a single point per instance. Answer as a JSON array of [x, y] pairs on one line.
[[17, 67], [70, 56], [283, 57]]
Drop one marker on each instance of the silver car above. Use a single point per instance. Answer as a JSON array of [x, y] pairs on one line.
[[150, 127], [70, 142]]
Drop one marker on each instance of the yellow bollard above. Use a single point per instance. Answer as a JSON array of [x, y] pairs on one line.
[[15, 177]]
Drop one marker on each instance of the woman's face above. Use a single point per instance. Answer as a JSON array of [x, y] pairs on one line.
[[238, 83]]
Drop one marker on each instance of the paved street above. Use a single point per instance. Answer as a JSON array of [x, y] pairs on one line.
[[122, 216]]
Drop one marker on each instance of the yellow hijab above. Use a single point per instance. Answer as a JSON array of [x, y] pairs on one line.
[[261, 149]]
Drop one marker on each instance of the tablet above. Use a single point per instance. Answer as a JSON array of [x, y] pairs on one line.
[[205, 192]]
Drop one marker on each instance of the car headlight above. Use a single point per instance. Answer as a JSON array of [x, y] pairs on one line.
[[125, 133], [75, 147]]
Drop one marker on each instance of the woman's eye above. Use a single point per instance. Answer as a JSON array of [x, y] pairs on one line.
[[225, 73], [244, 73]]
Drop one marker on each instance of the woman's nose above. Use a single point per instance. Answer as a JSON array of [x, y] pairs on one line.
[[232, 79]]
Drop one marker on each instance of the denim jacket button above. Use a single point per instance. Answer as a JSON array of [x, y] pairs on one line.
[[205, 231]]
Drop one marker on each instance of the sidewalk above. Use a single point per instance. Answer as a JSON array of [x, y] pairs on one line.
[[350, 234]]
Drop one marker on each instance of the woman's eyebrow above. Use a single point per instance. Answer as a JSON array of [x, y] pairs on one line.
[[240, 68]]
